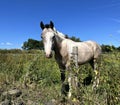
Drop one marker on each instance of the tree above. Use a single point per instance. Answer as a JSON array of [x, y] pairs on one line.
[[108, 48], [118, 48], [74, 38], [32, 44]]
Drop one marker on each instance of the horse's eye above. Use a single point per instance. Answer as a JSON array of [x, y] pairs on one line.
[[53, 37], [41, 37]]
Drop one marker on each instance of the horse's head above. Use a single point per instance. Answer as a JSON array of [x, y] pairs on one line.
[[48, 36]]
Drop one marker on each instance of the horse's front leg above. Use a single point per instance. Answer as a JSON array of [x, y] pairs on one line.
[[69, 81], [72, 79], [63, 80], [65, 86]]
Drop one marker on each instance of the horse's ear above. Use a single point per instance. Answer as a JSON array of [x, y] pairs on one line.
[[42, 25], [51, 24]]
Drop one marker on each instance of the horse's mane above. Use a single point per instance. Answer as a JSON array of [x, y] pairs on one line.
[[60, 34]]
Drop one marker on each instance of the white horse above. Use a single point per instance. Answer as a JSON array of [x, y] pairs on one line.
[[88, 51]]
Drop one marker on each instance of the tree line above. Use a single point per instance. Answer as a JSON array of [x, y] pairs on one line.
[[35, 44], [31, 45]]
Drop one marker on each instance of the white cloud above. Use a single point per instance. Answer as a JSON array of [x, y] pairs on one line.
[[21, 45], [118, 31], [9, 44], [6, 44]]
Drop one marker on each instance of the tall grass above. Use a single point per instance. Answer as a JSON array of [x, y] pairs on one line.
[[39, 79]]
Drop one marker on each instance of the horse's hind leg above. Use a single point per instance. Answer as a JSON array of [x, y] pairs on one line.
[[92, 63]]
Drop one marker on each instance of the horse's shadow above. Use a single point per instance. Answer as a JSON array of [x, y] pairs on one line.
[[87, 81]]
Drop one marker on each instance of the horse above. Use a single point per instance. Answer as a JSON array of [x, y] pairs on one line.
[[88, 51]]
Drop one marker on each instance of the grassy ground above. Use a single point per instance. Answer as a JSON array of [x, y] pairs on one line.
[[38, 79]]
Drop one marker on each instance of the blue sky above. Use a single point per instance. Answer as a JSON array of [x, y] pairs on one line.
[[97, 20]]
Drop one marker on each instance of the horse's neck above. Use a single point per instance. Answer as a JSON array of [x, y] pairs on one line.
[[57, 42], [57, 45], [59, 37]]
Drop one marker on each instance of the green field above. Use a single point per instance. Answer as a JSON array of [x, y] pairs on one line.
[[38, 79]]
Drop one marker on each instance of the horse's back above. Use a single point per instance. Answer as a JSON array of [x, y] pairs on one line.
[[86, 50]]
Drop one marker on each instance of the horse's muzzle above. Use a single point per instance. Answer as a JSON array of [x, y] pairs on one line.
[[49, 55]]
